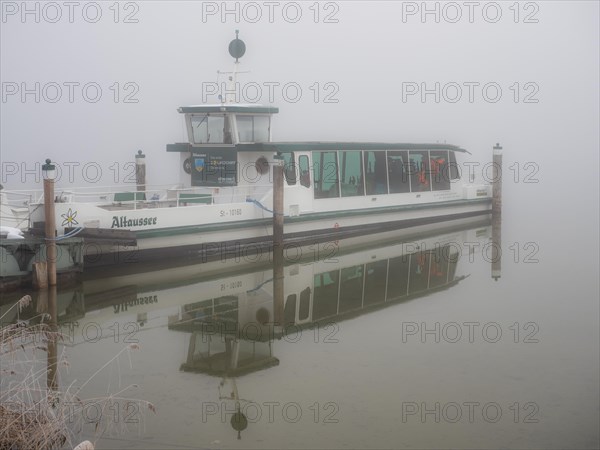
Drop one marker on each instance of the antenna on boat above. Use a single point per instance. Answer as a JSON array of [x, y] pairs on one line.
[[237, 49]]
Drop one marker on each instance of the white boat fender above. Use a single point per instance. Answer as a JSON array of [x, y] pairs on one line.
[[11, 233]]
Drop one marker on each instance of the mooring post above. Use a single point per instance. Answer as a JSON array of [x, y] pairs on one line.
[[497, 180], [140, 172], [497, 213], [278, 241], [49, 173]]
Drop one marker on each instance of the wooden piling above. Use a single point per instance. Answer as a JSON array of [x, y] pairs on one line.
[[278, 241], [50, 221], [140, 171], [497, 181], [497, 213]]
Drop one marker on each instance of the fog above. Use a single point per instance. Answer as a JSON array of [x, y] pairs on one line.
[[373, 56], [90, 84]]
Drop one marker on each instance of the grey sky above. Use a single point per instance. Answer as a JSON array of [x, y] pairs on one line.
[[368, 54]]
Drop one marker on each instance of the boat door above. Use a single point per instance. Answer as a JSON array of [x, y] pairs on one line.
[[298, 307], [299, 190]]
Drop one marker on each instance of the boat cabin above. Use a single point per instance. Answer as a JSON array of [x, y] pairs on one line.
[[230, 145]]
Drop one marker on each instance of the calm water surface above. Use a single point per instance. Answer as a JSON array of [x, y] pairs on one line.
[[408, 343]]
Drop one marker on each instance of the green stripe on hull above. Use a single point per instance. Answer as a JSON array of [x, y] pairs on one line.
[[381, 209]]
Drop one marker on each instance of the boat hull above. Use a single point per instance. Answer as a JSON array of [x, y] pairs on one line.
[[251, 240]]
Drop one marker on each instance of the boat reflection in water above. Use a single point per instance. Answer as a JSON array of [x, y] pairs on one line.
[[234, 334], [232, 318]]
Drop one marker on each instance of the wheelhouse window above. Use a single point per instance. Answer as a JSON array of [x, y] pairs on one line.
[[375, 173], [210, 129], [398, 169], [325, 168], [253, 128], [419, 171], [289, 168], [351, 175], [304, 171], [440, 176]]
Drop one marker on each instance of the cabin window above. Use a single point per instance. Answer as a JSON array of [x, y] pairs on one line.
[[325, 297], [210, 129], [398, 169], [419, 171], [375, 278], [351, 288], [304, 171], [326, 174], [289, 168], [375, 173], [452, 263], [440, 176], [454, 175], [419, 272], [351, 176], [253, 128], [397, 277], [438, 272]]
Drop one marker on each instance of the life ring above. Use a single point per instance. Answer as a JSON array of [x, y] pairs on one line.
[[262, 165], [187, 165]]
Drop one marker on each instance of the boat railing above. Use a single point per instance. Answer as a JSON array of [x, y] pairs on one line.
[[14, 207], [150, 196], [19, 198]]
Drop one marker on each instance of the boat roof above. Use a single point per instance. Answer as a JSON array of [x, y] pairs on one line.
[[250, 108], [336, 145], [314, 145]]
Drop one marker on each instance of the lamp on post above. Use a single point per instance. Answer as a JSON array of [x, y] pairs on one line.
[[49, 174], [49, 170]]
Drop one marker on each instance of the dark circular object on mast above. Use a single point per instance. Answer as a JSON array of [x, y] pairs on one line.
[[237, 48]]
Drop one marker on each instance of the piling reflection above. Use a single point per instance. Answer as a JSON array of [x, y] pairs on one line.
[[497, 213], [52, 345]]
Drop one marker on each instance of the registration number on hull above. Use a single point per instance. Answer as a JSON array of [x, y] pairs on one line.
[[230, 212]]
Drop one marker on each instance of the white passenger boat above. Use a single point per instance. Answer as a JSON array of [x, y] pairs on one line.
[[222, 203]]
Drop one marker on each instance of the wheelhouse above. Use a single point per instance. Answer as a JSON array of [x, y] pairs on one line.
[[227, 125]]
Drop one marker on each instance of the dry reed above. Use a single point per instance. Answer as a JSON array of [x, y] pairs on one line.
[[35, 417]]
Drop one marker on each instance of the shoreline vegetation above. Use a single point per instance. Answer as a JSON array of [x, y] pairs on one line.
[[35, 413]]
